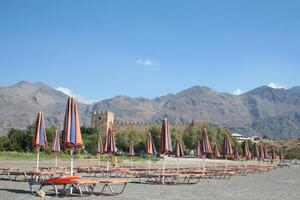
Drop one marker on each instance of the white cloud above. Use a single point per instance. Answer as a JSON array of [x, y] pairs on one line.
[[276, 85], [78, 97], [238, 91], [146, 62]]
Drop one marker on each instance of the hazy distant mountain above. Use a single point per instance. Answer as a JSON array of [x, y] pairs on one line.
[[262, 111]]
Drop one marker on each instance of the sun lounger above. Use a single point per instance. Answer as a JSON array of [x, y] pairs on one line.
[[111, 185]]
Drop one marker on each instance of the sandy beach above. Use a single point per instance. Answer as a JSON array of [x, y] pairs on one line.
[[282, 183]]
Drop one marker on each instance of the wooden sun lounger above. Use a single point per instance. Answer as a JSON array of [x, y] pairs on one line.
[[10, 172], [110, 184]]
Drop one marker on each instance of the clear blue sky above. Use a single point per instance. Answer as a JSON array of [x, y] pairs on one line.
[[100, 49]]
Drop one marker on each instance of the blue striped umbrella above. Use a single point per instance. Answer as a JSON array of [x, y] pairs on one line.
[[56, 146]]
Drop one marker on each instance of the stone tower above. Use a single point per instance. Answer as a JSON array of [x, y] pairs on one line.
[[102, 119]]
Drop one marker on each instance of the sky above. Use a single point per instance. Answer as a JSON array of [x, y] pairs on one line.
[[100, 49]]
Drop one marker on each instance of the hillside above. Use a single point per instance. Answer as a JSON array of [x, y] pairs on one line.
[[262, 111]]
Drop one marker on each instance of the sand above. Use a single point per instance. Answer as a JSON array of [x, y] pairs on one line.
[[282, 183]]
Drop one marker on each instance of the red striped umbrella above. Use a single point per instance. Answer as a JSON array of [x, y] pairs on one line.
[[110, 144], [261, 152], [246, 151], [40, 138], [71, 131], [150, 149], [178, 149], [227, 149], [99, 149], [273, 154], [255, 152], [236, 154], [265, 151], [56, 146], [216, 152], [165, 141], [205, 146]]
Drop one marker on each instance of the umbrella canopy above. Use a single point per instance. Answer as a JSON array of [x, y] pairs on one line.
[[150, 145], [255, 152], [205, 144], [131, 149], [178, 149], [261, 152], [99, 146], [280, 155], [110, 144], [236, 154], [227, 149], [265, 151], [72, 133], [165, 138], [56, 143], [40, 139], [216, 152], [246, 151], [274, 154]]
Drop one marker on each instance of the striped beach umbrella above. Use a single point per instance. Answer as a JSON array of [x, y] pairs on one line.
[[110, 144], [178, 152], [40, 138], [71, 131], [236, 154], [273, 154], [56, 146], [165, 141], [150, 149], [246, 151], [261, 152], [255, 152], [227, 149], [99, 149], [131, 152], [265, 151], [205, 146], [216, 152]]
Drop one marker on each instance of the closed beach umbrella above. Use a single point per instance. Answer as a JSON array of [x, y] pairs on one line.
[[178, 152], [40, 138], [216, 152], [131, 152], [71, 131], [165, 141], [56, 146], [255, 152], [99, 149], [246, 151], [110, 144], [273, 154], [265, 151], [150, 149], [281, 155], [199, 152], [236, 154], [261, 152], [227, 149], [205, 146]]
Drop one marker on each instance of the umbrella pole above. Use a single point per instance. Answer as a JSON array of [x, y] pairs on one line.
[[107, 161], [99, 159], [55, 159], [37, 159], [164, 163], [149, 163], [203, 166], [72, 161], [226, 163], [177, 165], [130, 161]]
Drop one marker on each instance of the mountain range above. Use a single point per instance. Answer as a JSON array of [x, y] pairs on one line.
[[261, 111]]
